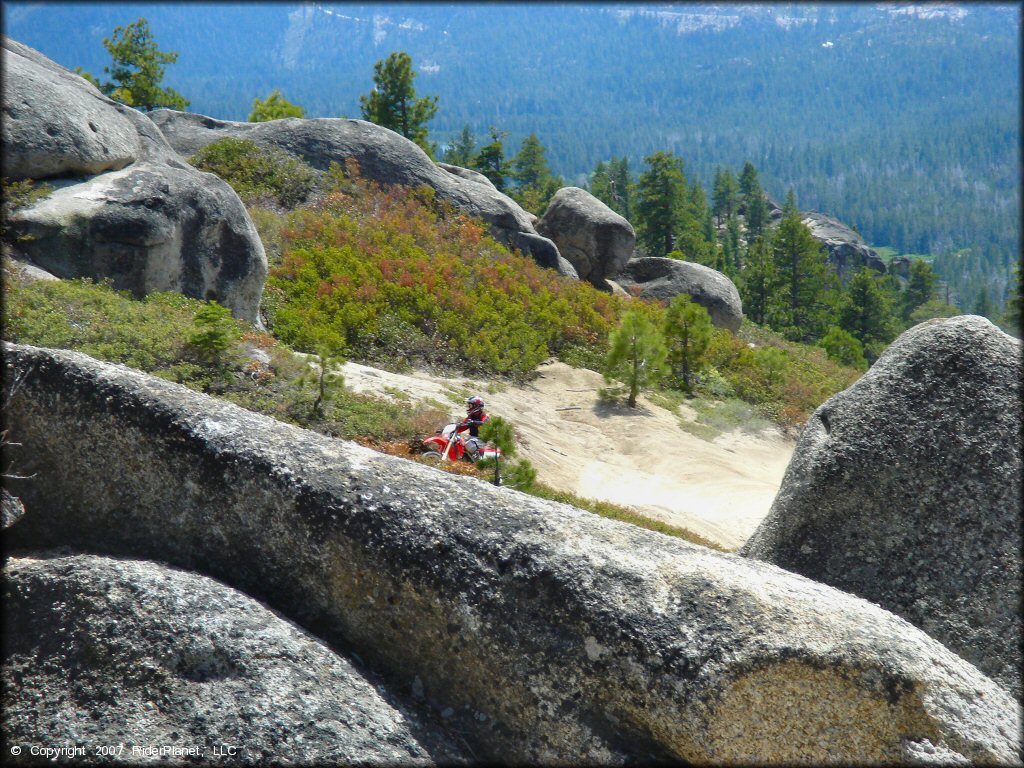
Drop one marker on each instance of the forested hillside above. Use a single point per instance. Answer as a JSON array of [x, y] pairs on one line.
[[902, 121]]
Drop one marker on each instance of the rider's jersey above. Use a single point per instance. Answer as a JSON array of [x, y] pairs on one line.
[[473, 425]]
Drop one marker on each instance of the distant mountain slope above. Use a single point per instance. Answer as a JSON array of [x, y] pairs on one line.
[[901, 120]]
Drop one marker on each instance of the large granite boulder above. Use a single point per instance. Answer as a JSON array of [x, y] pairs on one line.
[[905, 489], [847, 251], [383, 156], [124, 206], [547, 634], [102, 651], [147, 228], [650, 277], [87, 134], [591, 236]]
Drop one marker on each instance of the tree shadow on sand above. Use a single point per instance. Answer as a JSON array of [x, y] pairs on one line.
[[605, 408]]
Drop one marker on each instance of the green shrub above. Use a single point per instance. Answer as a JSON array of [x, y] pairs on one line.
[[392, 277], [214, 332], [257, 173], [844, 348], [19, 194]]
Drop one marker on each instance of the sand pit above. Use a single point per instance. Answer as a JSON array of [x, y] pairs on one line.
[[641, 458]]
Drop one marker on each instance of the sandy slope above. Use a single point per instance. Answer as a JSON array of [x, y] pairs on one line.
[[639, 458]]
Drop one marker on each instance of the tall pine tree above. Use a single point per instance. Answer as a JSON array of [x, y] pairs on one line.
[[461, 151], [687, 334], [758, 282], [661, 203], [804, 278], [535, 185], [138, 68], [393, 104], [866, 313], [491, 160]]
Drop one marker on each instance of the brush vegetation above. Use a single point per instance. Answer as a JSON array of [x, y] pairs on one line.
[[391, 277]]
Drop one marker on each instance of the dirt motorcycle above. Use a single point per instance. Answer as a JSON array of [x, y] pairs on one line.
[[448, 445]]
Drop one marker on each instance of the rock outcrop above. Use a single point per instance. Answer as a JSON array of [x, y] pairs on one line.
[[847, 251], [905, 489], [383, 156], [591, 236], [112, 651], [124, 206], [549, 634], [900, 266], [651, 277], [11, 508], [467, 173]]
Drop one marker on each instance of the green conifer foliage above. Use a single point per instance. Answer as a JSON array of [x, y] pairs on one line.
[[393, 104], [636, 355], [462, 150], [138, 69], [844, 348], [274, 107], [866, 313], [1011, 316], [661, 203], [758, 281], [920, 287], [535, 184], [612, 183], [491, 160], [804, 278], [725, 195], [753, 200], [687, 334]]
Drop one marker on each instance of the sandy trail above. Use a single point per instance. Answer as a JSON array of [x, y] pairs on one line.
[[641, 458]]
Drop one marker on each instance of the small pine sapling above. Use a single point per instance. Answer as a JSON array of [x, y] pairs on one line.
[[214, 333]]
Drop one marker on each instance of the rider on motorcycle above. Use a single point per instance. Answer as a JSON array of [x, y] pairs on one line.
[[475, 416]]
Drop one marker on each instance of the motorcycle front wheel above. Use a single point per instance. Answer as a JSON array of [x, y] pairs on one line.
[[432, 457]]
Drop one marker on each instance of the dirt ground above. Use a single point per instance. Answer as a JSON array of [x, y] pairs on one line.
[[641, 458]]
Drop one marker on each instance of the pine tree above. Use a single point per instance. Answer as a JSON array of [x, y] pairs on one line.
[[803, 278], [274, 107], [758, 282], [491, 160], [920, 288], [754, 204], [749, 184], [724, 194], [529, 166], [757, 215], [661, 202], [462, 150], [612, 184], [687, 334], [535, 185], [1011, 316], [866, 313], [138, 68], [636, 355], [983, 303], [393, 104], [732, 238], [622, 187], [601, 184]]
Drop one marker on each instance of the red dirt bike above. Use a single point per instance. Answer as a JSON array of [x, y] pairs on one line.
[[447, 445]]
